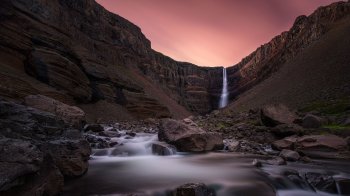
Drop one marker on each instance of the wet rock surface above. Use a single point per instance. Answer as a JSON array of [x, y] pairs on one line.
[[193, 189], [189, 137], [290, 155], [322, 182]]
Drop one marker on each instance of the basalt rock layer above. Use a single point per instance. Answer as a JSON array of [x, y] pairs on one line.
[[79, 53], [306, 60]]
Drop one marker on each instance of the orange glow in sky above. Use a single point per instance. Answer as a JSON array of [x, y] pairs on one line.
[[211, 32]]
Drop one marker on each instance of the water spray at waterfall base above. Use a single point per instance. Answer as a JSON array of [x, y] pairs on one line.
[[224, 93]]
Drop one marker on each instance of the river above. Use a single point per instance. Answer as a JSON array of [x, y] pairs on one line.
[[131, 168]]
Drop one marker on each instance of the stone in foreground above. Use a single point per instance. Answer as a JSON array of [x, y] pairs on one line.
[[290, 155], [274, 115], [194, 189], [70, 114], [189, 138]]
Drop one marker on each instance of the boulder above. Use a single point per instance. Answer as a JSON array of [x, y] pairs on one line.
[[97, 141], [285, 143], [321, 142], [36, 149], [274, 115], [188, 138], [193, 189], [312, 121], [322, 182], [70, 114], [322, 146], [18, 159], [70, 156], [276, 161], [290, 155], [285, 130], [163, 149]]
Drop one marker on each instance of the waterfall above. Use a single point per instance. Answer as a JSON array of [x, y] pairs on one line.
[[224, 92]]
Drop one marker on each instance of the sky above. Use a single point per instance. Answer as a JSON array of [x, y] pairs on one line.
[[211, 32]]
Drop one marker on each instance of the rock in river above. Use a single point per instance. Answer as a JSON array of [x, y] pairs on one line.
[[193, 189], [189, 138]]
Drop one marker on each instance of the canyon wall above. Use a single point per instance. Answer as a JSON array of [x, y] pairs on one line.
[[79, 53], [269, 57]]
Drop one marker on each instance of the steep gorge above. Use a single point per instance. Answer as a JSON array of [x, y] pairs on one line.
[[81, 54], [270, 57]]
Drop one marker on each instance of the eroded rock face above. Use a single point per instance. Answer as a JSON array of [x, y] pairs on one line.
[[70, 114], [269, 57], [96, 56], [102, 56], [37, 151], [188, 138]]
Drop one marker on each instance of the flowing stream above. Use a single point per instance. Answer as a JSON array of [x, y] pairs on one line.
[[224, 93], [131, 168]]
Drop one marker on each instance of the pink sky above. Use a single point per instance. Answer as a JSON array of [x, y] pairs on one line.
[[209, 33]]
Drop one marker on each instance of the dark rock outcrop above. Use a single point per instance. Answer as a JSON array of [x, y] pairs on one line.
[[188, 138], [274, 115], [285, 130], [78, 52], [81, 53], [163, 149], [322, 182], [70, 114], [193, 189], [315, 146], [290, 155], [37, 151], [312, 121]]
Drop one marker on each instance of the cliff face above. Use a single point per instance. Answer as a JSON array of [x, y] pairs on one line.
[[269, 58], [77, 52]]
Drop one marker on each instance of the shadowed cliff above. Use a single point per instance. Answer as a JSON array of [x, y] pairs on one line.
[[81, 54]]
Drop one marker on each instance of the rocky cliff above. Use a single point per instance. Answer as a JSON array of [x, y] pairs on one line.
[[269, 57], [79, 53]]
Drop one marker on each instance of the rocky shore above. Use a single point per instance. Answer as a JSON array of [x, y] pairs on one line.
[[45, 142]]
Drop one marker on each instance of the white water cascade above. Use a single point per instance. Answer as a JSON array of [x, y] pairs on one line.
[[224, 92]]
